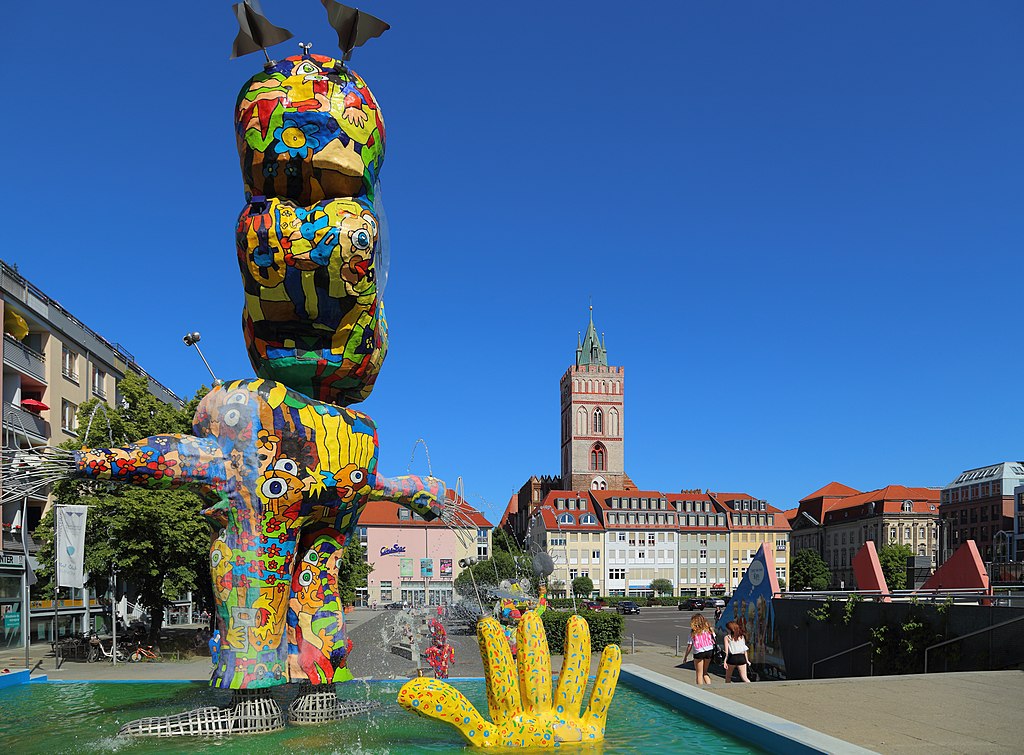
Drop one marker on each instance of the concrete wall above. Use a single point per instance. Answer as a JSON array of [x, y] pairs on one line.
[[805, 640]]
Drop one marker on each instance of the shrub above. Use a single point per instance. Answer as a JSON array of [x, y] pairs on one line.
[[605, 629]]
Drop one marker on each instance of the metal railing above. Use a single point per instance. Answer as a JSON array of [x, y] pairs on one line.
[[21, 357], [871, 660], [969, 634], [15, 418]]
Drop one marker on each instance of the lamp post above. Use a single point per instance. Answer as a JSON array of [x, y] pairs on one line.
[[192, 339]]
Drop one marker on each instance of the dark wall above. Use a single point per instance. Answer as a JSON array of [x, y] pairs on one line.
[[806, 640]]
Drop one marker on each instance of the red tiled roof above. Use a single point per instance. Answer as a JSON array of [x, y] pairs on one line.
[[385, 514], [888, 500], [832, 490]]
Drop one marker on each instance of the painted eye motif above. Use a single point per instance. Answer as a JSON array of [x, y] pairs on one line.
[[274, 488], [305, 68], [312, 557], [357, 477], [231, 417], [238, 398], [216, 557], [362, 239], [287, 465], [305, 577]]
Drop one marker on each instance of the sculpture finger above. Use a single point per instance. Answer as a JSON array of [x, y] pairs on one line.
[[499, 671], [572, 681], [435, 699], [604, 686], [534, 662]]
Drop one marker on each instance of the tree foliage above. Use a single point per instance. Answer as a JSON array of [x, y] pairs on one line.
[[492, 572], [893, 559], [353, 570], [582, 587], [156, 541], [662, 586], [808, 571]]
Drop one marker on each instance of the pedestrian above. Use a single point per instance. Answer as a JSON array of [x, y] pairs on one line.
[[736, 652], [215, 647], [718, 614], [702, 642]]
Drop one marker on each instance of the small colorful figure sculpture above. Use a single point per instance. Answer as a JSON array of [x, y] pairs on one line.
[[440, 654]]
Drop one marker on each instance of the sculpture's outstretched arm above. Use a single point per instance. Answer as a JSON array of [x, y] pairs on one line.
[[424, 495], [159, 462]]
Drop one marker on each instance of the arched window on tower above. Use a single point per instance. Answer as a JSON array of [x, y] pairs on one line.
[[581, 421], [597, 458], [613, 422], [598, 424]]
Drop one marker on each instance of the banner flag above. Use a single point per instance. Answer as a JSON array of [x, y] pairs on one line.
[[70, 522]]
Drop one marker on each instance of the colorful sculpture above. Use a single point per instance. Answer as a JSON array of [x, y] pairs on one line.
[[524, 712], [311, 144], [286, 478], [440, 654]]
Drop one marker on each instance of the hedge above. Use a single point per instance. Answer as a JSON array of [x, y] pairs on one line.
[[605, 629]]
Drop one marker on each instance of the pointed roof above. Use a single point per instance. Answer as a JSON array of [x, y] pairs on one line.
[[592, 350], [832, 490]]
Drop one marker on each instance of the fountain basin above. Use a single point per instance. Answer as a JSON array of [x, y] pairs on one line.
[[76, 717]]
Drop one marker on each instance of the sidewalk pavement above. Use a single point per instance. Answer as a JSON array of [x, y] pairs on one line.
[[969, 712]]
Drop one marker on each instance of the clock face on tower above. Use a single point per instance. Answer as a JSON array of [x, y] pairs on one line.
[[756, 573]]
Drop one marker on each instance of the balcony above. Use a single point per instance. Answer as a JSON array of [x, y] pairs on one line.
[[16, 419], [24, 359]]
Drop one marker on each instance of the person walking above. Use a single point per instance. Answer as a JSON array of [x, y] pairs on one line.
[[736, 652], [702, 642]]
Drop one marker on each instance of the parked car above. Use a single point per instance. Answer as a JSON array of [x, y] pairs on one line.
[[592, 605], [692, 604], [718, 602], [627, 606]]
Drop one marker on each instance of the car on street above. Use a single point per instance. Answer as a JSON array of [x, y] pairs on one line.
[[627, 606], [592, 605], [718, 603], [692, 604]]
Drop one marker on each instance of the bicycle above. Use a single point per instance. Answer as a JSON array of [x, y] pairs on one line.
[[98, 652], [145, 653]]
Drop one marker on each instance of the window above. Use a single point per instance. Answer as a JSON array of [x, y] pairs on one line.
[[598, 422], [597, 458], [622, 537], [68, 421], [556, 540], [780, 572], [362, 536], [908, 506], [69, 364], [595, 556], [703, 575], [573, 574], [588, 519], [99, 382], [780, 544], [404, 513], [650, 538], [566, 518], [385, 591], [616, 574], [481, 542], [703, 553]]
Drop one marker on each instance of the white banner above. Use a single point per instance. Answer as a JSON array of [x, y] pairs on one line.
[[71, 545]]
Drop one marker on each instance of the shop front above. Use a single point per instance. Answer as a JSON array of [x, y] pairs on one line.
[[12, 587]]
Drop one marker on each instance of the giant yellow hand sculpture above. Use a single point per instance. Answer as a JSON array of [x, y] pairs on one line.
[[523, 712]]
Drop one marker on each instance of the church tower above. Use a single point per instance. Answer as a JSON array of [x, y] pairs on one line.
[[592, 419]]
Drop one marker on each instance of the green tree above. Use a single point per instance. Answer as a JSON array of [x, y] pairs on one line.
[[582, 587], [353, 571], [893, 559], [662, 586], [808, 571], [492, 572], [156, 541]]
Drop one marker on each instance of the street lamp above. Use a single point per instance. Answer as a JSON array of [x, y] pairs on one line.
[[192, 339]]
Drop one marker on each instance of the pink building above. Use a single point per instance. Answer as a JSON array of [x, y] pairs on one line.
[[414, 560]]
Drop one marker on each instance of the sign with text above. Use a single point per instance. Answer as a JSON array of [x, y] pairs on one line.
[[446, 568], [392, 550], [12, 619], [12, 561], [405, 568], [426, 568], [71, 545]]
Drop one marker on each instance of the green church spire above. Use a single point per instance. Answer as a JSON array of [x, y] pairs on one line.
[[592, 351]]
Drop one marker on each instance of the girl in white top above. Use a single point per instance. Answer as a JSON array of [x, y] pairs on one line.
[[736, 652]]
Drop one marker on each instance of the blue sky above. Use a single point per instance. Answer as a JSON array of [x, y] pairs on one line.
[[800, 222]]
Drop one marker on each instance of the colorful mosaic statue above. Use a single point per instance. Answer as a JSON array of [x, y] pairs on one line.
[[524, 712], [286, 479], [310, 244]]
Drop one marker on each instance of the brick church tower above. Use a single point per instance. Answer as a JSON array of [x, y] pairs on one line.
[[592, 419]]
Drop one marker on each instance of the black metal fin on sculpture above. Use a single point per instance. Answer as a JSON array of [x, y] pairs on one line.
[[255, 32], [354, 27]]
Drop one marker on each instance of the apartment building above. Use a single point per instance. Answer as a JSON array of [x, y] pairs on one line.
[[641, 540], [567, 525], [979, 505], [52, 363], [703, 544], [753, 522]]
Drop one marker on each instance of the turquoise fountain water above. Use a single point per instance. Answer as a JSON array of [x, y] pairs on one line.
[[84, 717]]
